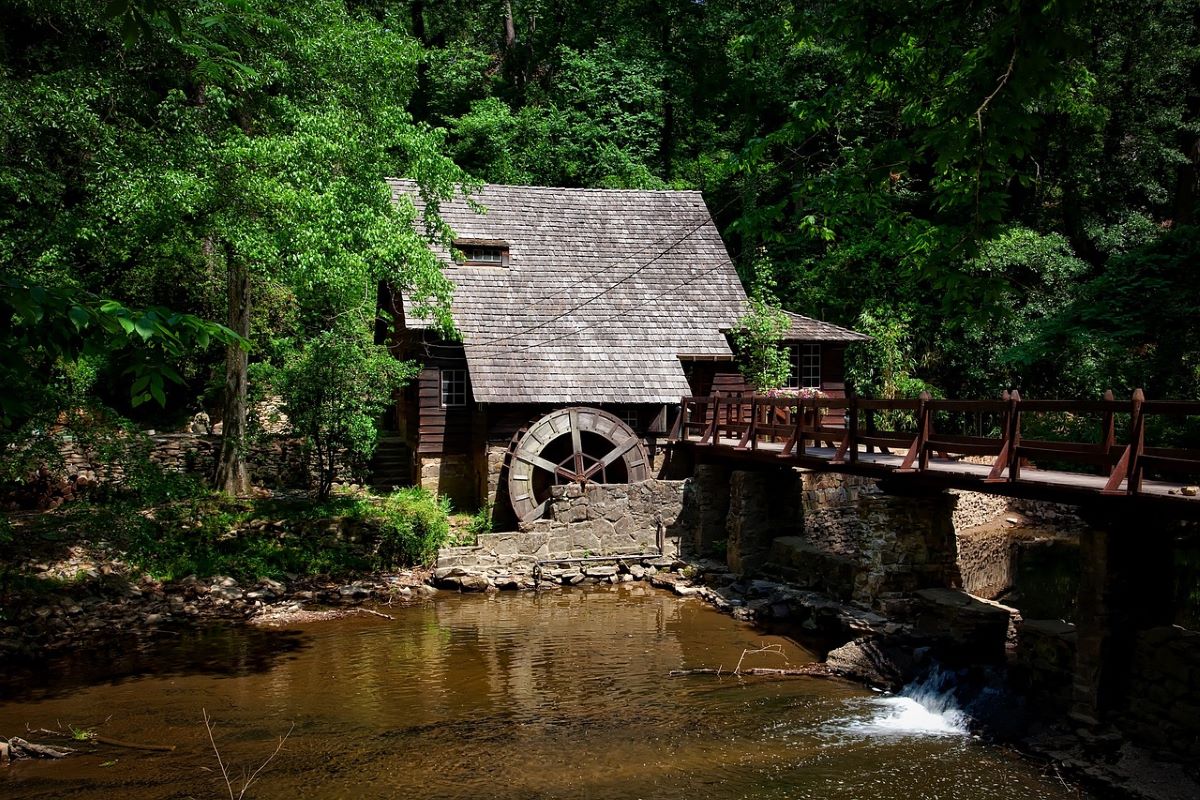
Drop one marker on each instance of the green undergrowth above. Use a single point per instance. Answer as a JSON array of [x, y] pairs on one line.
[[191, 531]]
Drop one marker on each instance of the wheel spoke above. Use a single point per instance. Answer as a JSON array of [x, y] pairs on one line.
[[577, 445], [618, 451], [542, 463]]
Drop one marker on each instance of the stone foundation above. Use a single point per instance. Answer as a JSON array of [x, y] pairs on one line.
[[762, 506], [453, 476], [647, 518], [859, 544], [615, 519]]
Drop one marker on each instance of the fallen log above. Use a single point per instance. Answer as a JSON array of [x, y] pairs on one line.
[[158, 748], [808, 670], [376, 613], [19, 748]]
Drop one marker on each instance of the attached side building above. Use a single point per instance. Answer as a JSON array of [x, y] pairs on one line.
[[585, 315]]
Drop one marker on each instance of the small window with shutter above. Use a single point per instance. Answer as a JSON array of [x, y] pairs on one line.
[[483, 252]]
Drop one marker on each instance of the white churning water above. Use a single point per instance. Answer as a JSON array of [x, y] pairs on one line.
[[924, 708]]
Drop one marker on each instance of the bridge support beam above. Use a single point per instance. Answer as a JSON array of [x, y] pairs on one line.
[[709, 499], [1125, 587]]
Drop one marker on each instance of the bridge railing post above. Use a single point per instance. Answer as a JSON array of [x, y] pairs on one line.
[[676, 432], [751, 434], [852, 427], [1137, 441], [1014, 437], [1108, 433], [871, 429], [1001, 464], [925, 431], [714, 409], [916, 451]]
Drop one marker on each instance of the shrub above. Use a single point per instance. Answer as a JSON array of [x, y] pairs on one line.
[[414, 524]]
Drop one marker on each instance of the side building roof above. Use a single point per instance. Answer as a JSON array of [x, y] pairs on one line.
[[807, 329]]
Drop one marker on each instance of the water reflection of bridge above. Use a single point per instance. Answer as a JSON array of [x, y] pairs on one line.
[[1106, 452]]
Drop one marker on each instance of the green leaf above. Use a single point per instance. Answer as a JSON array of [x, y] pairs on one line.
[[130, 29], [145, 326], [79, 316], [156, 389]]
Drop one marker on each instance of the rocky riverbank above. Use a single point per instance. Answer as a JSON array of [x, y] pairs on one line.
[[82, 599]]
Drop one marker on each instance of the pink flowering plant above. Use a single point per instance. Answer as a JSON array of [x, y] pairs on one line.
[[801, 395], [804, 393]]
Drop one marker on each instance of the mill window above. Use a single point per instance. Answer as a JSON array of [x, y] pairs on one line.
[[483, 254], [454, 387], [806, 366]]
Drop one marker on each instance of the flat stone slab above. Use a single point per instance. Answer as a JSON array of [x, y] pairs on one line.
[[962, 603], [1048, 627]]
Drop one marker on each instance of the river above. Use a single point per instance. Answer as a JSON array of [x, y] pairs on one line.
[[555, 695]]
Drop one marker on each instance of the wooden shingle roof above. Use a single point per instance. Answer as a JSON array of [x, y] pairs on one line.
[[605, 289], [807, 329]]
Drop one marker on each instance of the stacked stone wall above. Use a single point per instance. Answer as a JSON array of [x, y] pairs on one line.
[[614, 519], [275, 461], [1164, 691], [454, 475]]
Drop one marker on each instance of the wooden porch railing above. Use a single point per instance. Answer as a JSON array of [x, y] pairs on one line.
[[792, 425]]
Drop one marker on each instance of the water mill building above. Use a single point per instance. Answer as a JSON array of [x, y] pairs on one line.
[[585, 315]]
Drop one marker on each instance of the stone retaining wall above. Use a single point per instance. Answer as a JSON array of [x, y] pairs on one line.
[[976, 508], [275, 461], [599, 520], [614, 519]]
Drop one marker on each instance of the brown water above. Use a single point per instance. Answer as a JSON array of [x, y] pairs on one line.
[[562, 695]]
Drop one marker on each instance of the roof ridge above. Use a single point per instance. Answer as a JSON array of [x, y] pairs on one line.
[[569, 188]]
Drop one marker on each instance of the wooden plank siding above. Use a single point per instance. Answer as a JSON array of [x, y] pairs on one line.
[[441, 429], [833, 381]]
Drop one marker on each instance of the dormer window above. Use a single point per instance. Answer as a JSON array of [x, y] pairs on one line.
[[483, 252]]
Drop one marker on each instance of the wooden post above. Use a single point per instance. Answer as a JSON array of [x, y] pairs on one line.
[[871, 429], [1001, 463], [1108, 433], [926, 431], [1137, 442], [751, 427], [678, 431], [917, 448], [852, 427], [710, 435], [1014, 437]]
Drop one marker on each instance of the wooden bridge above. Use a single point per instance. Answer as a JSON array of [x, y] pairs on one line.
[[1082, 452]]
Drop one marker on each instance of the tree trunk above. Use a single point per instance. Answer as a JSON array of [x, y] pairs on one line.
[[232, 476]]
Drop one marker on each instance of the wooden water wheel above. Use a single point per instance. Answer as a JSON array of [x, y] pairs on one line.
[[572, 445]]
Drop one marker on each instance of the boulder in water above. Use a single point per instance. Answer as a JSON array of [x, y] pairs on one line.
[[874, 661]]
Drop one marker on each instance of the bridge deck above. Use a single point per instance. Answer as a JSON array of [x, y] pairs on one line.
[[1110, 475]]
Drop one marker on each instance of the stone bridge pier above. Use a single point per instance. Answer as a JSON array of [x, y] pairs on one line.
[[851, 538], [1126, 588]]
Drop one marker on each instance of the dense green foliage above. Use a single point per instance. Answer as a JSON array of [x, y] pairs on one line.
[[180, 529], [334, 388], [1003, 195]]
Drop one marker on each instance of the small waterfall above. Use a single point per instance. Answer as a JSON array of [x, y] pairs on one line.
[[924, 708]]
